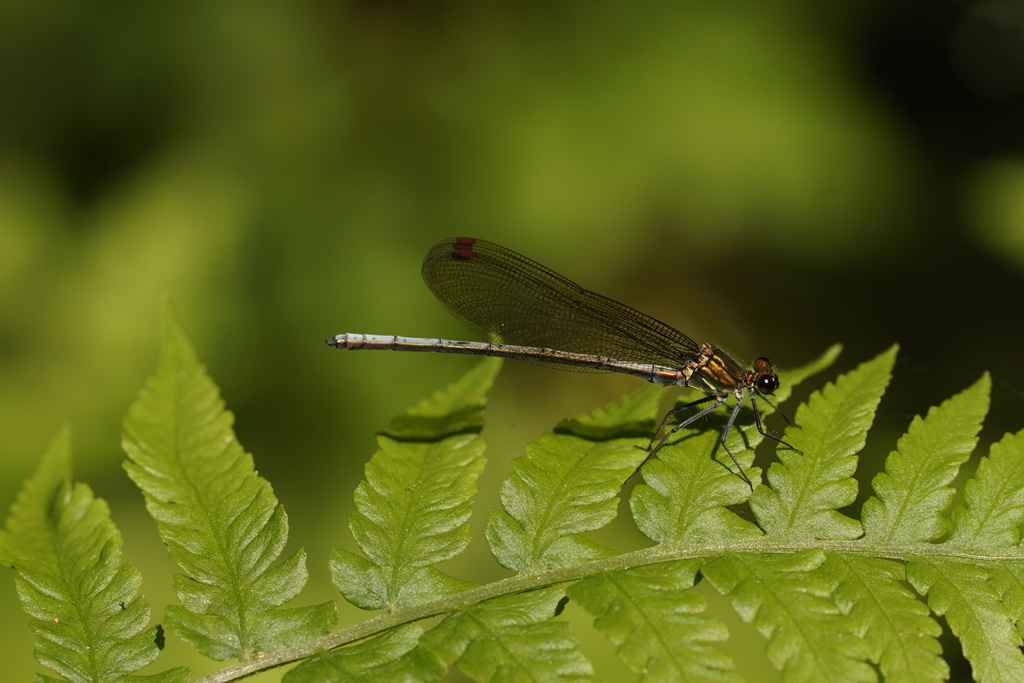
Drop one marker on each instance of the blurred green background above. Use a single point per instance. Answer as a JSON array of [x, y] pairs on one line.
[[769, 177]]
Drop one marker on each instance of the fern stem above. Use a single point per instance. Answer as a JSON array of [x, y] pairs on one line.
[[524, 582]]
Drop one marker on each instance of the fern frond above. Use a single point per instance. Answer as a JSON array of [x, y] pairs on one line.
[[788, 599], [511, 639], [89, 617], [1008, 580], [830, 596], [413, 508], [992, 511], [963, 593], [685, 494], [377, 660], [897, 626], [220, 520], [657, 623], [808, 488], [793, 599], [913, 492], [981, 599], [568, 483]]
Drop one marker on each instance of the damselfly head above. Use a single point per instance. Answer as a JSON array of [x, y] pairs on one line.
[[765, 379]]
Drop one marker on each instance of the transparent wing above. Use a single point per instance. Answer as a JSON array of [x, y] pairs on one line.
[[507, 298]]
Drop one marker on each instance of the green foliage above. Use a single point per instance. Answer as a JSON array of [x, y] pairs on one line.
[[831, 594], [89, 617], [512, 638], [376, 660], [220, 521], [568, 483], [657, 623], [913, 491], [807, 487], [413, 508]]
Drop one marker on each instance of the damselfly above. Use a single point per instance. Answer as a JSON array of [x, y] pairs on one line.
[[525, 310]]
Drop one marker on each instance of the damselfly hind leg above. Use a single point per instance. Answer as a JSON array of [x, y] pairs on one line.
[[670, 414]]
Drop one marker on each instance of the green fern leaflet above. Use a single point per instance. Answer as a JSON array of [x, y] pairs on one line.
[[835, 595]]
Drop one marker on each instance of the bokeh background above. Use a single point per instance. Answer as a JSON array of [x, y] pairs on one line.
[[770, 177]]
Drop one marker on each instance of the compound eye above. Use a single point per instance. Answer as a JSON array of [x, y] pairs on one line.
[[768, 383]]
